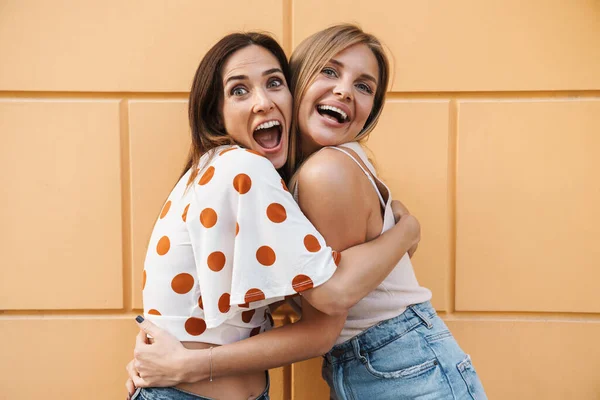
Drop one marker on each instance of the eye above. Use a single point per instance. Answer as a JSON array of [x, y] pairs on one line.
[[329, 72], [363, 87], [275, 82], [238, 91]]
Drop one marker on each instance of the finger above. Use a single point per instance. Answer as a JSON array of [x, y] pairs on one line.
[[139, 382], [148, 326], [140, 339], [131, 371], [130, 386]]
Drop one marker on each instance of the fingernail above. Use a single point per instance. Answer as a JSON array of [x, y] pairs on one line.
[[139, 319]]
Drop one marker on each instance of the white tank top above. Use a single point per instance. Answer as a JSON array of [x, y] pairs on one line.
[[400, 289]]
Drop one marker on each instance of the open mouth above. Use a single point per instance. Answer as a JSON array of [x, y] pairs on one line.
[[333, 113], [268, 134]]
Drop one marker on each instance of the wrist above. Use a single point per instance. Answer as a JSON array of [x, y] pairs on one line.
[[193, 366]]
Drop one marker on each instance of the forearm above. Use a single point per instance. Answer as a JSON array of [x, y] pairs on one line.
[[280, 346], [362, 268]]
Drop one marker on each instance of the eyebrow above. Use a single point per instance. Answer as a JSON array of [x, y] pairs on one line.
[[242, 77], [364, 76]]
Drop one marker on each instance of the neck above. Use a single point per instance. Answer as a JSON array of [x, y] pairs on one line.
[[308, 146]]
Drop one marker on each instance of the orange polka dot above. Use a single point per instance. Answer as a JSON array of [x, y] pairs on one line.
[[144, 280], [163, 246], [245, 305], [237, 228], [200, 304], [216, 261], [276, 213], [284, 186], [224, 303], [207, 176], [242, 183], [208, 217], [337, 257], [195, 326], [182, 283], [247, 315], [265, 255], [300, 283], [311, 243], [226, 150], [165, 209], [154, 312], [255, 331], [184, 215], [254, 152], [254, 295]]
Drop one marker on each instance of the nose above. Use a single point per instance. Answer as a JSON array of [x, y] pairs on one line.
[[262, 102], [343, 91]]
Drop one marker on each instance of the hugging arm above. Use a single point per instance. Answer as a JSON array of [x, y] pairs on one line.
[[335, 210]]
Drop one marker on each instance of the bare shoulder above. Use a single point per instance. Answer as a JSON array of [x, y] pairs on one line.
[[330, 169], [330, 175]]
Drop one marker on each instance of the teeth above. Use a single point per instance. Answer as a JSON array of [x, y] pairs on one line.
[[268, 124], [335, 109]]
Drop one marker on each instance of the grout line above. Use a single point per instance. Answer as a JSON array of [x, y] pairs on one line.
[[126, 206], [557, 95], [452, 181], [497, 95], [455, 315], [288, 30], [66, 95]]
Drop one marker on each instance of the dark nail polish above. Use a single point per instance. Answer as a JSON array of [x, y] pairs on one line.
[[139, 319]]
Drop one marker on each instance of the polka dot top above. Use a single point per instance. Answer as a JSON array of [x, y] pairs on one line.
[[225, 247]]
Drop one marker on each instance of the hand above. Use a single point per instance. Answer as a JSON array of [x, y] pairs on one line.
[[129, 385], [400, 211], [159, 364]]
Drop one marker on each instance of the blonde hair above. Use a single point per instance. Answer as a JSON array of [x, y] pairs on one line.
[[308, 60]]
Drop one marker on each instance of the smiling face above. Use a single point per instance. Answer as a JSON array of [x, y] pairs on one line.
[[337, 104], [257, 104]]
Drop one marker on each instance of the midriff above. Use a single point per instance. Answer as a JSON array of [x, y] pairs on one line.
[[243, 387]]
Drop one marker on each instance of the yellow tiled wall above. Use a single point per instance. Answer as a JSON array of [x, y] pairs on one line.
[[491, 136]]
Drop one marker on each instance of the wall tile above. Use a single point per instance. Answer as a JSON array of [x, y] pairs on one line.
[[61, 214], [119, 46], [528, 190], [470, 45], [410, 147]]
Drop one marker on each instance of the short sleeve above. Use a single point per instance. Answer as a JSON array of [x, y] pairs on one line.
[[252, 244]]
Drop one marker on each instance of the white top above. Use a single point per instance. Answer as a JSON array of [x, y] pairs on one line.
[[227, 246], [400, 288]]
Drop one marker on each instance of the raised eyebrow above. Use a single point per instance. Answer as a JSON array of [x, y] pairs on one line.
[[272, 71], [236, 78]]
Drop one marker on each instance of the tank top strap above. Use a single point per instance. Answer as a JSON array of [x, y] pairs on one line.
[[367, 173]]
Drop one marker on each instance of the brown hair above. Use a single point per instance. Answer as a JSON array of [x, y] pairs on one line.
[[206, 94], [308, 60]]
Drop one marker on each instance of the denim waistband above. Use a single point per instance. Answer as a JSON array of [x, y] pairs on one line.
[[174, 393], [383, 333]]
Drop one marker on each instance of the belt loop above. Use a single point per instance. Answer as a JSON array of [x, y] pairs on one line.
[[422, 316], [357, 353]]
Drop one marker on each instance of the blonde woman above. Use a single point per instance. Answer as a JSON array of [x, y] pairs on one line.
[[391, 344]]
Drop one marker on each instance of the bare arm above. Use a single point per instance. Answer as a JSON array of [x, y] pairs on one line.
[[336, 211], [328, 193]]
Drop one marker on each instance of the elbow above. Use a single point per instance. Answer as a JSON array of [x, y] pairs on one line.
[[336, 306]]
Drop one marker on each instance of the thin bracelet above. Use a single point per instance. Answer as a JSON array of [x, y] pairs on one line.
[[210, 358]]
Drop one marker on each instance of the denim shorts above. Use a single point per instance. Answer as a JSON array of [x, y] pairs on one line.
[[172, 393], [410, 356]]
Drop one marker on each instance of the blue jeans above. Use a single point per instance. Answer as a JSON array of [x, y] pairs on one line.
[[411, 356], [178, 394]]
